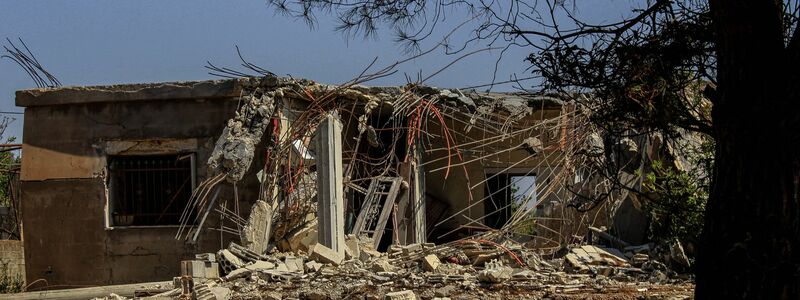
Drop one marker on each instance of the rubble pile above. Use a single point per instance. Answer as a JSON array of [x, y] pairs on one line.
[[293, 247], [465, 269]]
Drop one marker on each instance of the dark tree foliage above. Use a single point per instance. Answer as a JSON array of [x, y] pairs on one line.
[[647, 72]]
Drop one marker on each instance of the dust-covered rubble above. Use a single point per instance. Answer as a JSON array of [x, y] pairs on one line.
[[461, 270]]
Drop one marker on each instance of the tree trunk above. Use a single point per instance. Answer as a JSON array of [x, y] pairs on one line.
[[750, 242]]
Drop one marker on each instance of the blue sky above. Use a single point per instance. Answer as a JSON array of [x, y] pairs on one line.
[[110, 42]]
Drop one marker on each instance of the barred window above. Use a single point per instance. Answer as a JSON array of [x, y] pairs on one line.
[[149, 190]]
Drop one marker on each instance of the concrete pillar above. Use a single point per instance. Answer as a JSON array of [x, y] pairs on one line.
[[417, 198], [330, 189]]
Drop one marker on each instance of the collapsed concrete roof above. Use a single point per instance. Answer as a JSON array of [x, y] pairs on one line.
[[228, 88]]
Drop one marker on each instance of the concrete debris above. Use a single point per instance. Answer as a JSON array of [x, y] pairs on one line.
[[368, 254], [495, 272], [313, 266], [353, 246], [202, 292], [221, 293], [401, 295], [256, 232], [200, 269], [235, 147], [639, 259], [294, 264], [325, 255], [229, 262], [382, 265], [431, 262], [582, 259], [261, 265]]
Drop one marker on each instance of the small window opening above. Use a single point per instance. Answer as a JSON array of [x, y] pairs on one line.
[[505, 193], [149, 190]]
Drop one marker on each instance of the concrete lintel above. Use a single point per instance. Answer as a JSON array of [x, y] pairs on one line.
[[207, 89]]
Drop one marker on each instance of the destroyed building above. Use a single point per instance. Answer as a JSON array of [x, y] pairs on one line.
[[121, 182]]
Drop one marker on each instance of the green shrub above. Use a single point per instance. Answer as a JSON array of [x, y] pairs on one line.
[[9, 283]]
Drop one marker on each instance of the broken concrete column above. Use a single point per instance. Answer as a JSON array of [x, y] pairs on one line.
[[330, 188]]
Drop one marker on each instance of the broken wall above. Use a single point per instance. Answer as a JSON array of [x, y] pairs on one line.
[[505, 155], [67, 136]]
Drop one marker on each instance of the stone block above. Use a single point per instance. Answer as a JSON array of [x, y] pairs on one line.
[[326, 255], [401, 295], [382, 265], [200, 269], [430, 263]]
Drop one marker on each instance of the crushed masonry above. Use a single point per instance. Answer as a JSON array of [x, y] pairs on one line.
[[428, 272]]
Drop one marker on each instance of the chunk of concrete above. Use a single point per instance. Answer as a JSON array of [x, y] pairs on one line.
[[210, 257], [257, 230], [260, 265], [222, 293], [352, 244], [229, 261], [368, 254], [401, 295], [238, 273], [294, 264], [430, 263], [495, 272], [202, 292], [382, 265], [323, 254], [313, 266], [200, 269]]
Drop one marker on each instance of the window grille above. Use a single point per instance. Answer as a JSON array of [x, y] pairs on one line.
[[150, 189]]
